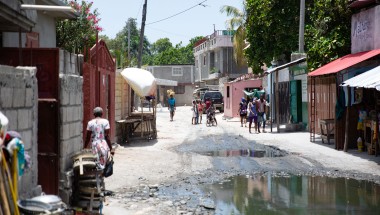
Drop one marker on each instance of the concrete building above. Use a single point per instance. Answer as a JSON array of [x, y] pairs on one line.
[[47, 108], [214, 59], [233, 92], [38, 30], [183, 85]]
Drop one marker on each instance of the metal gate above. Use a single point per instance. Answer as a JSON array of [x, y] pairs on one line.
[[99, 85], [47, 62]]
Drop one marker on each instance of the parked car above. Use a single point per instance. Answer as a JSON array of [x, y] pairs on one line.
[[199, 93], [216, 98]]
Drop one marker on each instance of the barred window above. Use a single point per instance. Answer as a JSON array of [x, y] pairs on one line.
[[177, 71], [179, 90]]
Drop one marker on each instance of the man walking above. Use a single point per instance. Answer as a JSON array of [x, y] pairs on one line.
[[171, 106]]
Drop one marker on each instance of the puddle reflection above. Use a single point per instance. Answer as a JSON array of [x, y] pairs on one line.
[[269, 194], [269, 152]]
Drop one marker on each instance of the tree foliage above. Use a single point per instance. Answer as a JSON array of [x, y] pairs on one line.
[[119, 45], [327, 33], [161, 52], [272, 31], [166, 54], [74, 35]]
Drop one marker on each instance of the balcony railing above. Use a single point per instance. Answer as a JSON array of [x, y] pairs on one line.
[[220, 38]]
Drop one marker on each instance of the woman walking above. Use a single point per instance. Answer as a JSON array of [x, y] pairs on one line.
[[98, 132]]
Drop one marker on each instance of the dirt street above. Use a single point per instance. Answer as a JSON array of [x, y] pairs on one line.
[[163, 176]]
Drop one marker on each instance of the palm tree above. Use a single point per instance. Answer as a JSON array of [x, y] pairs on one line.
[[237, 21]]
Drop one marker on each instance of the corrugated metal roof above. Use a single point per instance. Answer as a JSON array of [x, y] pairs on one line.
[[369, 79], [344, 62], [165, 82]]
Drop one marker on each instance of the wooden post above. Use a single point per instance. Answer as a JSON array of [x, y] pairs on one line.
[[271, 103], [277, 104], [142, 118], [139, 56], [347, 119], [375, 96], [3, 196]]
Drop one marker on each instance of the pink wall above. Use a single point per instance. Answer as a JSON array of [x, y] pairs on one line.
[[231, 103]]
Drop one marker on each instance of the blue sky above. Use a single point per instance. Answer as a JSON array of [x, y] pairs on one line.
[[198, 21]]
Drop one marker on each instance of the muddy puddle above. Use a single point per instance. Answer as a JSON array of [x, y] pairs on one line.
[[290, 194], [256, 153]]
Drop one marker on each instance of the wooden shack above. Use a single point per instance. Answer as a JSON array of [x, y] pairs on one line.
[[324, 96]]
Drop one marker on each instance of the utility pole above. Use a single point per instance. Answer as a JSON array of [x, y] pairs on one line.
[[142, 34], [302, 27]]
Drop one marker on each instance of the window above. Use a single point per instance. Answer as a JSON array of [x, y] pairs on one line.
[[204, 60], [179, 90], [228, 91], [177, 71]]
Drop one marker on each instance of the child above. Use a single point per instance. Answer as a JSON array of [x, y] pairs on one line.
[[211, 113], [200, 110], [243, 112], [195, 113]]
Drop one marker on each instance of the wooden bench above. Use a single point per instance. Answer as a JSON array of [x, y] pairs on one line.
[[327, 129]]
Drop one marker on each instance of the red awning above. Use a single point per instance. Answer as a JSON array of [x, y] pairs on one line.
[[344, 62]]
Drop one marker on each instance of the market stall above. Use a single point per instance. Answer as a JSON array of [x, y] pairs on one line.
[[363, 92], [141, 123]]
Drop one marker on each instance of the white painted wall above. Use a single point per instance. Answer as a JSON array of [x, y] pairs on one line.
[[45, 27]]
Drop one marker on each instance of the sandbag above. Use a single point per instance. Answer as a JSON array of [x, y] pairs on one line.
[[140, 80]]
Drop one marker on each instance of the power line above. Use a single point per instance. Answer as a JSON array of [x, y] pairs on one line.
[[199, 4], [169, 33], [138, 12]]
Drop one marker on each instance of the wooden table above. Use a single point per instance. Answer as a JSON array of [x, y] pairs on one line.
[[327, 129], [129, 125]]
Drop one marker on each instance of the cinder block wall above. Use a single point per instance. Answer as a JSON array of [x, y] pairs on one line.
[[19, 102], [122, 103], [71, 117]]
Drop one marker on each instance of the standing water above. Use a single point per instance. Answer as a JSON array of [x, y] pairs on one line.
[[272, 194]]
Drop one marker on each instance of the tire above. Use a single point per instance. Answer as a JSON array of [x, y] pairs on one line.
[[208, 122]]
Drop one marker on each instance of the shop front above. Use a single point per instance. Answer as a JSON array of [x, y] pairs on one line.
[[365, 97]]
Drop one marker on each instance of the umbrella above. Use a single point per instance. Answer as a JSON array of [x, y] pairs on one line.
[[140, 80]]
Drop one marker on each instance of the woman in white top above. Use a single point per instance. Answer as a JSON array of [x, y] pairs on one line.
[[98, 132]]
